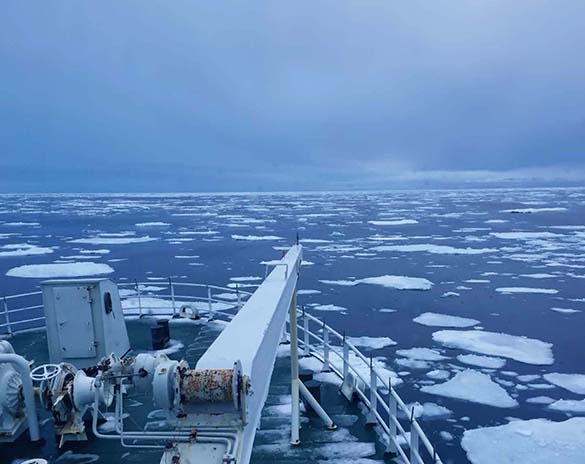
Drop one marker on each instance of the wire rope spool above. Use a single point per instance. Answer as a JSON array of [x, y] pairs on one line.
[[214, 390]]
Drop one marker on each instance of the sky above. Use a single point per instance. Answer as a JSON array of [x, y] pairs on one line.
[[157, 96]]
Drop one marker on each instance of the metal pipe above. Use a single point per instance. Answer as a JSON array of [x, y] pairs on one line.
[[316, 406], [22, 367], [294, 372], [149, 436]]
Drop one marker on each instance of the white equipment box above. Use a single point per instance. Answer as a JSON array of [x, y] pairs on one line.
[[84, 321]]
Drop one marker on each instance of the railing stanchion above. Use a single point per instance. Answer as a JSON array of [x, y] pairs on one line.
[[172, 289], [413, 440], [137, 287], [326, 367], [294, 372], [306, 337], [7, 316], [210, 303], [345, 358], [372, 419], [284, 335], [390, 446], [239, 297]]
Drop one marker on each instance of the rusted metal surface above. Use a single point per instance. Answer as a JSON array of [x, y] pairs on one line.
[[207, 385]]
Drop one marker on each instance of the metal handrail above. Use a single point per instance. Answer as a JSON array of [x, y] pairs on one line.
[[392, 427], [13, 307], [162, 280]]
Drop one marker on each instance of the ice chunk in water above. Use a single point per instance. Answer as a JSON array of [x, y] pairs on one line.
[[444, 320], [43, 271], [523, 349], [572, 382], [470, 385], [536, 441]]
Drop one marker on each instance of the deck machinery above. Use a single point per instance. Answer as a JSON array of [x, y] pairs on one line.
[[212, 410]]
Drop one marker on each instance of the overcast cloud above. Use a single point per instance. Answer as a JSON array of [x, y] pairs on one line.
[[221, 96]]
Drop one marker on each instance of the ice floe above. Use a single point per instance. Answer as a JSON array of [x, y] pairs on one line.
[[23, 249], [245, 279], [512, 290], [21, 224], [569, 406], [152, 224], [536, 441], [108, 240], [374, 343], [487, 362], [254, 238], [390, 281], [428, 410], [524, 235], [43, 271], [539, 275], [438, 374], [474, 386], [434, 249], [565, 310], [573, 382], [329, 307], [523, 349], [450, 295], [308, 292], [534, 210], [397, 222], [540, 400], [423, 354], [444, 320]]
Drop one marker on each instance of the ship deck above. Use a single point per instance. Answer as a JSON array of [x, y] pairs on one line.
[[352, 440]]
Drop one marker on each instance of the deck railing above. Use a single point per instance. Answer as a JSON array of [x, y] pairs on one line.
[[376, 393], [21, 312], [179, 294], [24, 312], [403, 436]]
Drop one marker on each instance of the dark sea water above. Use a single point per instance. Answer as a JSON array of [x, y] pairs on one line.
[[468, 253]]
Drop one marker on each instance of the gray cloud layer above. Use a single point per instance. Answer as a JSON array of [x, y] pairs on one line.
[[217, 95]]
